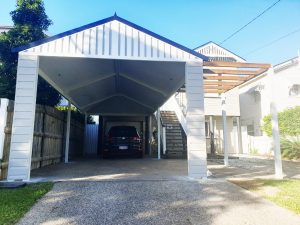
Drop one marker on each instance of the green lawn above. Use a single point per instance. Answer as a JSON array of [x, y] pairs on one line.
[[285, 193], [14, 203]]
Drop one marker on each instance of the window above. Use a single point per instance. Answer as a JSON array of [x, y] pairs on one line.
[[207, 129], [295, 90], [250, 130]]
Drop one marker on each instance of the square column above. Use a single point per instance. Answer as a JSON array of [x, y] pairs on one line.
[[23, 121], [275, 126], [225, 130], [195, 118]]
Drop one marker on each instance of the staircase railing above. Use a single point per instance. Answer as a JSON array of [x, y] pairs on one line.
[[173, 105], [180, 97], [161, 135]]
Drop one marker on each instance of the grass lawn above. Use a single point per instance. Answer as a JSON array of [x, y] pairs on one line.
[[14, 203], [285, 193]]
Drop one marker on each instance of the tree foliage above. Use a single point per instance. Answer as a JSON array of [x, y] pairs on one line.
[[289, 122], [30, 24]]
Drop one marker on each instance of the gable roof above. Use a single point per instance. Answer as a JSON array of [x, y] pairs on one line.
[[106, 20], [218, 53]]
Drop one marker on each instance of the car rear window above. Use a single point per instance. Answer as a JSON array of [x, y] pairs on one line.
[[123, 131]]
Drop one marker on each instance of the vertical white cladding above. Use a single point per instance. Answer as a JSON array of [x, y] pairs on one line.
[[113, 39], [196, 142], [23, 120]]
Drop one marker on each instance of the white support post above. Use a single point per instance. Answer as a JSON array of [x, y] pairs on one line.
[[3, 118], [68, 133], [239, 130], [85, 133], [19, 165], [164, 141], [150, 134], [158, 133], [275, 127], [211, 130], [195, 118], [225, 131]]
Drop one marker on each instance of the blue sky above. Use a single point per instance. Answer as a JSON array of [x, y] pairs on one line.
[[190, 22]]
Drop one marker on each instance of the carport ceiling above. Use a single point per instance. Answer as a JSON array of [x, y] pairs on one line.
[[114, 87]]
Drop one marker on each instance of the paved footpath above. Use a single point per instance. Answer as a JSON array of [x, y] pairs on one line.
[[213, 202]]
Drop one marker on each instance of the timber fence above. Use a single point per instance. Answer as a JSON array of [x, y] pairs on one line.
[[49, 136]]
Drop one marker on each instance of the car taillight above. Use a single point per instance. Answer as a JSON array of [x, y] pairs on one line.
[[136, 139], [109, 138]]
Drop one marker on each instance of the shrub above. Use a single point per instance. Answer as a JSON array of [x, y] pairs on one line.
[[289, 122], [290, 148], [253, 151]]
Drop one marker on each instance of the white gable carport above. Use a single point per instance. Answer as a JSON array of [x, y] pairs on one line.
[[110, 67]]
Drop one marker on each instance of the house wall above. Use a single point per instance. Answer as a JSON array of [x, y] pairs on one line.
[[255, 95], [212, 104], [232, 135]]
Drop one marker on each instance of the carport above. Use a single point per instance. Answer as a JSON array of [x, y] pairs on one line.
[[110, 67], [114, 67]]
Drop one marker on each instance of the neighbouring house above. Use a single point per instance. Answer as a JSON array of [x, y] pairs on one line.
[[255, 97], [212, 104], [5, 28]]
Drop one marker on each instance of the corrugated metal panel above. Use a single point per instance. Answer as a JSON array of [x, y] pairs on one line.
[[113, 39], [91, 139]]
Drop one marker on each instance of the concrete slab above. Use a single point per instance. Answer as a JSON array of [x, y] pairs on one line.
[[115, 169]]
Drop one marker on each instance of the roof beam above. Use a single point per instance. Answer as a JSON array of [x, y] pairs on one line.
[[143, 84], [234, 83], [55, 86], [213, 91], [232, 72], [136, 101], [87, 106], [218, 87], [236, 64], [89, 82], [221, 87], [227, 78]]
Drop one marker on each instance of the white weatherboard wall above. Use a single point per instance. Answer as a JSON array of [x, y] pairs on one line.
[[196, 142], [23, 121]]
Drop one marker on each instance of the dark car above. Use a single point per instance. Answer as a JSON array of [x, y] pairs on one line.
[[123, 141]]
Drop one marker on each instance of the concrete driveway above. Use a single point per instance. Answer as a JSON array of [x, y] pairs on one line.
[[155, 202], [252, 167], [115, 169], [147, 191]]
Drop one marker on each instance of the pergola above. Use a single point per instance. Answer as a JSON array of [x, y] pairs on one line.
[[220, 77]]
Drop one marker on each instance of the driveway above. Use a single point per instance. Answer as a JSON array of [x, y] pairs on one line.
[[147, 191], [251, 167], [125, 169], [155, 202]]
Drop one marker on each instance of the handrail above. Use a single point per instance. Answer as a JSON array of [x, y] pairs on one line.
[[173, 105]]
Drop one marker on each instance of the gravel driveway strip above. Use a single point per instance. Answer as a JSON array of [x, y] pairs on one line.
[[155, 202]]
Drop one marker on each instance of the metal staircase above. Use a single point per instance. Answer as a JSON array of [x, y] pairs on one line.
[[175, 136]]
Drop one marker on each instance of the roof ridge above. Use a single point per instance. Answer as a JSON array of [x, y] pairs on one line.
[[106, 20]]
